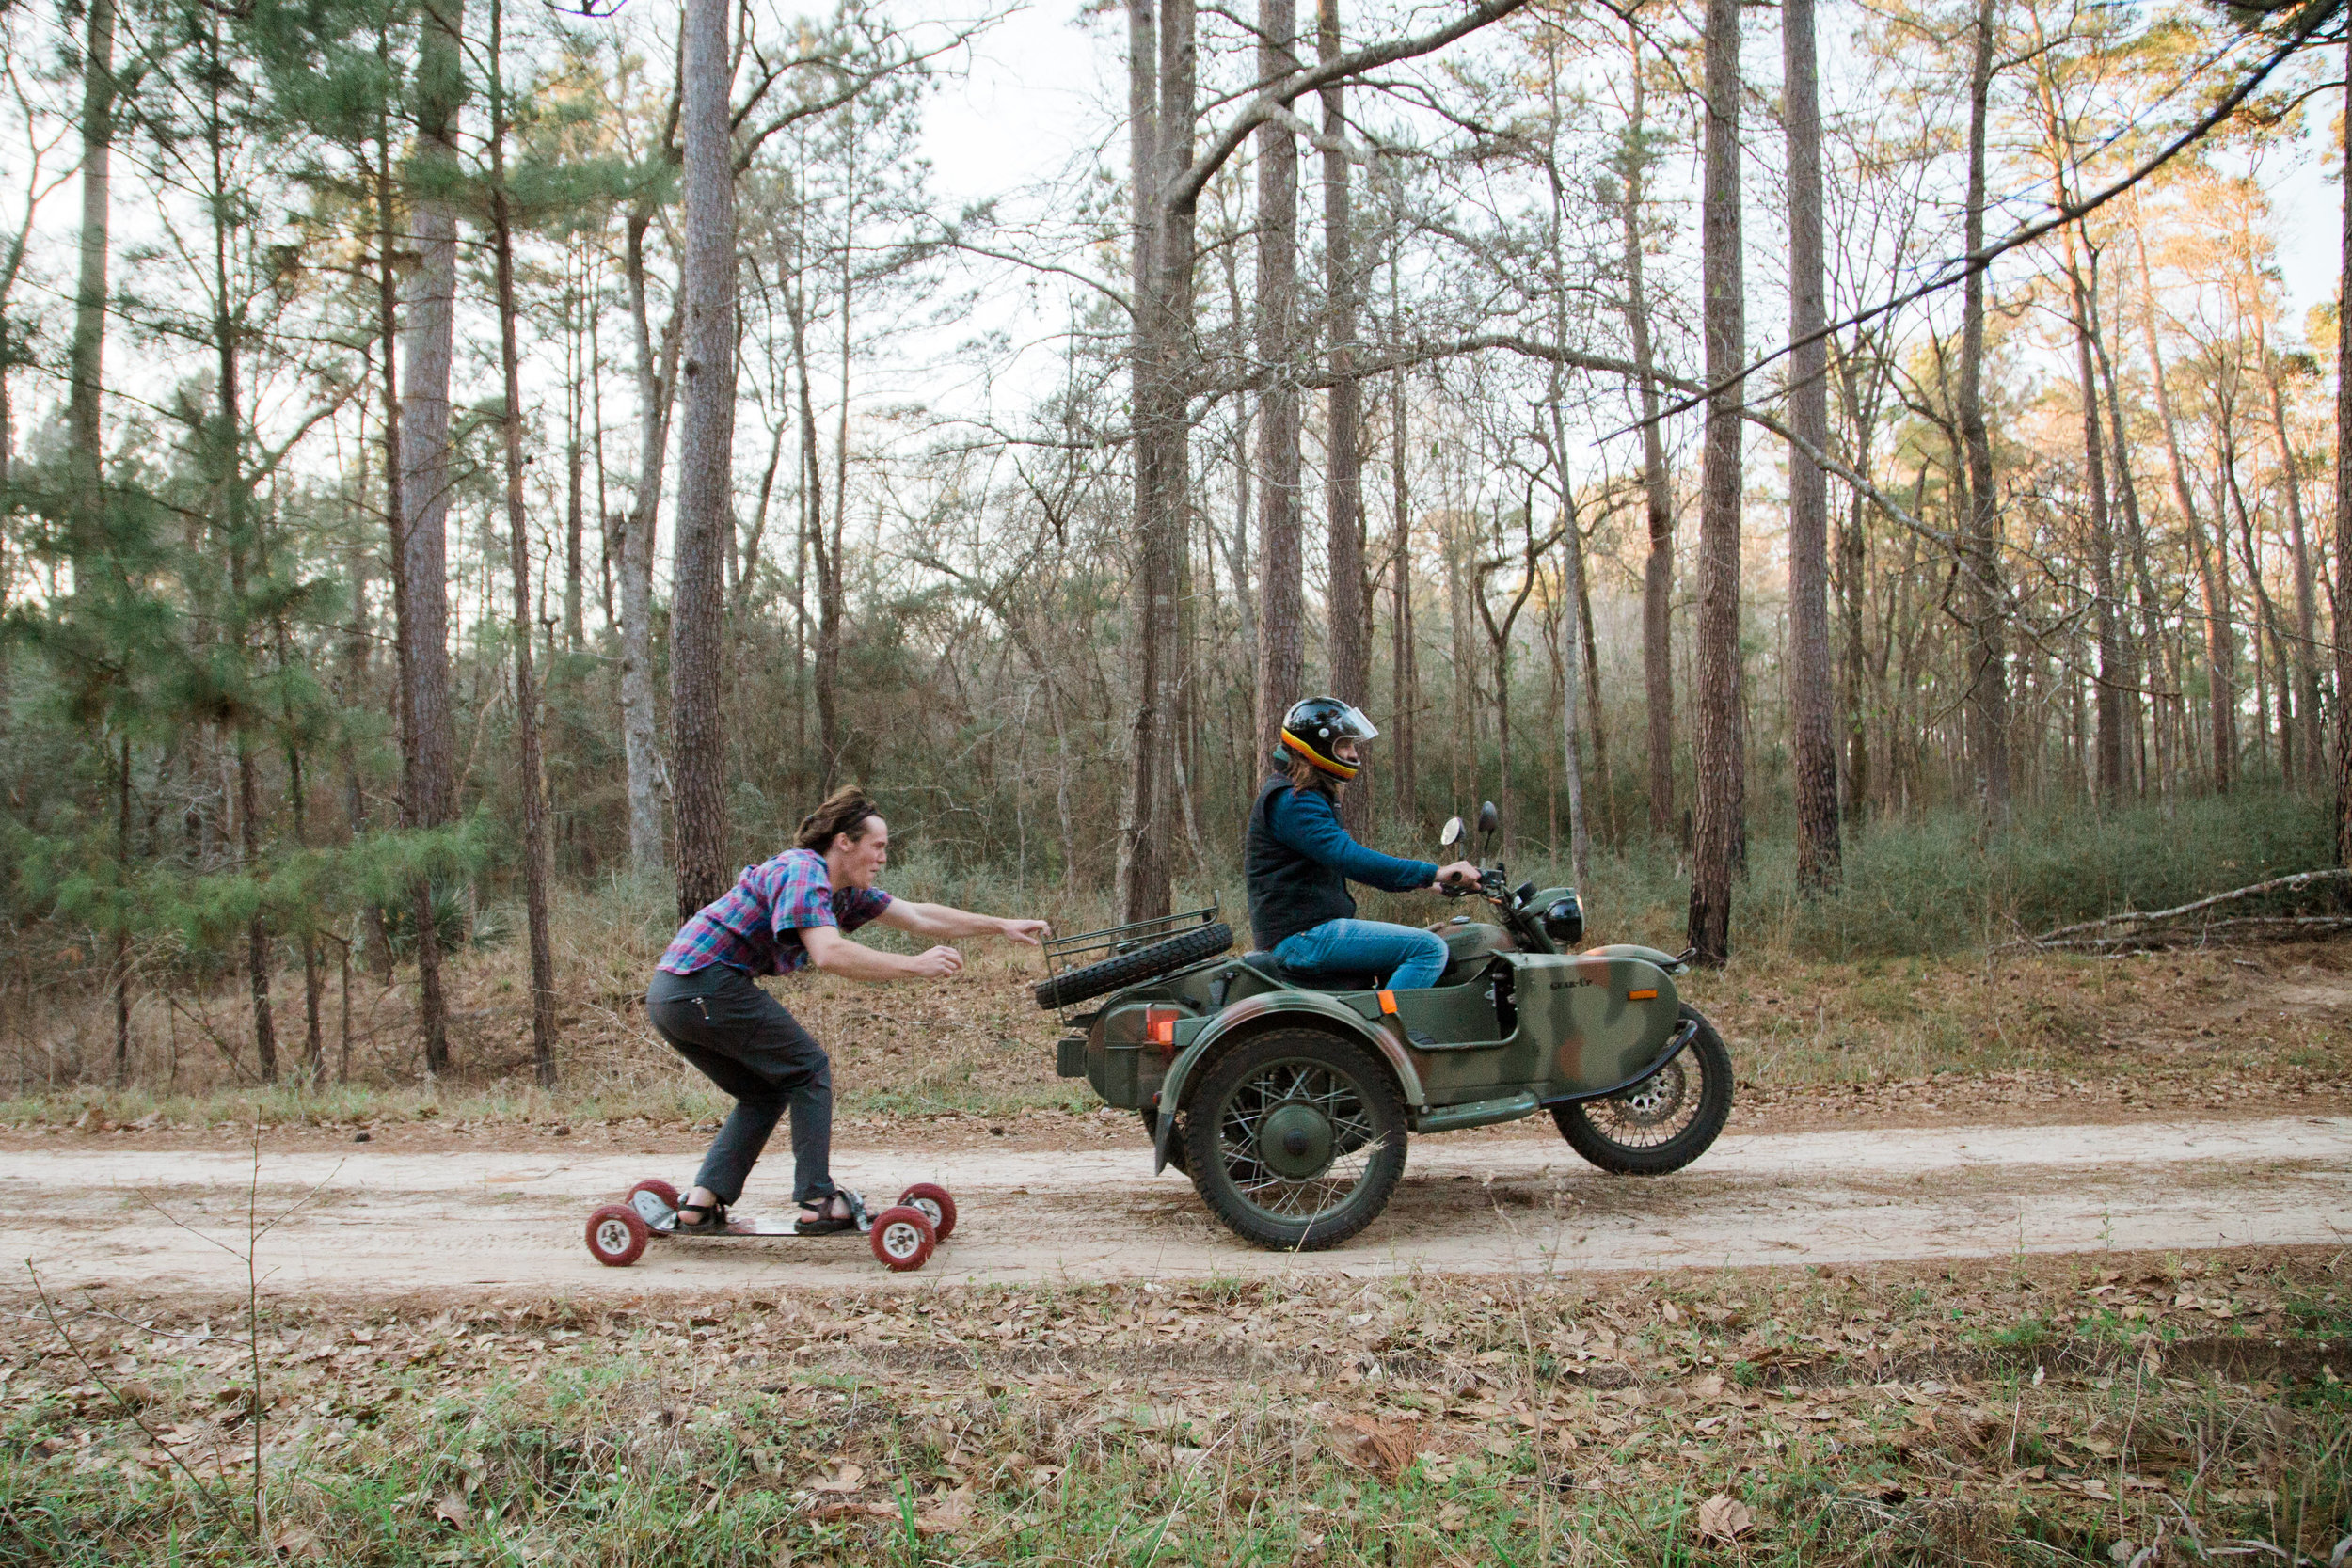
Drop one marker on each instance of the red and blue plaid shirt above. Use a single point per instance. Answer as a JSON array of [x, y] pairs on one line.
[[755, 925]]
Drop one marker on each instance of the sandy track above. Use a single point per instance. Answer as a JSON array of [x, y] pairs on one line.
[[476, 1221]]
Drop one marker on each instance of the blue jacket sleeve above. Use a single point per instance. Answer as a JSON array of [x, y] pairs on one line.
[[1304, 820]]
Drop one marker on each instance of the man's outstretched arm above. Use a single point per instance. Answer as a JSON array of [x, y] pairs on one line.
[[939, 920]]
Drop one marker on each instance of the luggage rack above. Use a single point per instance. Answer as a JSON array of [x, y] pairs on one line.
[[1066, 953], [1063, 953]]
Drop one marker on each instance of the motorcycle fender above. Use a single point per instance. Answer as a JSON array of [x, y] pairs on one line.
[[1317, 1006], [1634, 950]]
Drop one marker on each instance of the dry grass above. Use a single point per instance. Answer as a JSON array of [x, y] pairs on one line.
[[2073, 1410]]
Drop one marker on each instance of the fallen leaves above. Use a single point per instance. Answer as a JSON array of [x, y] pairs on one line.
[[841, 1475], [1387, 1450], [1725, 1518]]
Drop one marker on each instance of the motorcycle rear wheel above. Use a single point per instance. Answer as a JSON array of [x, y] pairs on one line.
[[1662, 1123]]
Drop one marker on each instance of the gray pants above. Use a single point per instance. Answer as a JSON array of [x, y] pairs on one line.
[[741, 1039]]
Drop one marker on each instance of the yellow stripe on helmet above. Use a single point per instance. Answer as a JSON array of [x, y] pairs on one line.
[[1336, 769]]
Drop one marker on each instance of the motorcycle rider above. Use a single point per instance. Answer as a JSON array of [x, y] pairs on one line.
[[1300, 859]]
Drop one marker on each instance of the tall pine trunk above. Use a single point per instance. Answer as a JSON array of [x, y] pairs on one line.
[[1811, 677], [2212, 570], [530, 780], [656, 388], [1718, 826], [86, 357], [1658, 566], [1981, 597], [2112, 676], [2306, 662], [2343, 501], [1282, 631], [1403, 648], [1344, 477], [428, 746], [706, 464], [1163, 64]]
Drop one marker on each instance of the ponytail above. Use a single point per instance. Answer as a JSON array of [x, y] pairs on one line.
[[845, 811]]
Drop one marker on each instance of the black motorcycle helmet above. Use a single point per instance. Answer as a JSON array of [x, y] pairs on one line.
[[1314, 725]]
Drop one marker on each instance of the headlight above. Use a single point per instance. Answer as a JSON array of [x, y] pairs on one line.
[[1564, 921]]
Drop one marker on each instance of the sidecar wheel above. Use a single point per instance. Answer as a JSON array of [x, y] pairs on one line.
[[1662, 1123], [1296, 1139]]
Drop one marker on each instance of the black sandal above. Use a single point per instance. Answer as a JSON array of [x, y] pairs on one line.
[[833, 1225], [712, 1221]]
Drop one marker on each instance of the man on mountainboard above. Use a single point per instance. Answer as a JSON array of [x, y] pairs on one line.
[[787, 914]]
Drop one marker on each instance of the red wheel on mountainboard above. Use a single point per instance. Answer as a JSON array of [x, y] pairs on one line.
[[934, 1200], [660, 1189], [617, 1235], [902, 1238]]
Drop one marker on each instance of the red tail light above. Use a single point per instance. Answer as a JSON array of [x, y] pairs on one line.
[[1159, 1025]]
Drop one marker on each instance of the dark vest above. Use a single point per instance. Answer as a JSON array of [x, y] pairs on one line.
[[1288, 892]]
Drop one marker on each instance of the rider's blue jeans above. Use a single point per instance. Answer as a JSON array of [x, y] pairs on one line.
[[1416, 956]]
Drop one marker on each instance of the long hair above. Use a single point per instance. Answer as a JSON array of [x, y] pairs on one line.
[[1306, 775], [844, 811]]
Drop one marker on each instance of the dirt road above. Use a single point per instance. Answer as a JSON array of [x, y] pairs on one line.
[[472, 1221]]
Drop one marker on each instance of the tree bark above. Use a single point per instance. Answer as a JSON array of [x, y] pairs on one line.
[[2112, 677], [1403, 648], [429, 746], [1281, 633], [575, 470], [656, 388], [86, 357], [532, 783], [1983, 613], [1811, 675], [2343, 500], [1163, 63], [2144, 658], [2211, 571], [1720, 784], [706, 464], [1344, 477], [2306, 663], [1658, 567]]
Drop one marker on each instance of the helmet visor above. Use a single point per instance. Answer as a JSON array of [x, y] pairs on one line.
[[1350, 723]]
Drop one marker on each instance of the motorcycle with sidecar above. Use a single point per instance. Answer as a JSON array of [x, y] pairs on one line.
[[1288, 1099]]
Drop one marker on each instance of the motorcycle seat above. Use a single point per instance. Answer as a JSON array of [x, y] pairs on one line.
[[1298, 979]]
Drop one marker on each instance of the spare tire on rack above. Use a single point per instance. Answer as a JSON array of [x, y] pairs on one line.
[[1125, 969]]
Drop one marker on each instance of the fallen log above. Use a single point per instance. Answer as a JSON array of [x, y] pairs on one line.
[[2174, 927]]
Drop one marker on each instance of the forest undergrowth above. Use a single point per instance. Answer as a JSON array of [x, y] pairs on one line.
[[1873, 997]]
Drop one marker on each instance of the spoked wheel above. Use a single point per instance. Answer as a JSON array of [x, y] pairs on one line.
[[902, 1237], [617, 1235], [1663, 1122], [934, 1200], [1296, 1139]]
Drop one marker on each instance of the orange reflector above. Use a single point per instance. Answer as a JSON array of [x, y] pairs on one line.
[[1641, 996], [1159, 1025], [1387, 1002]]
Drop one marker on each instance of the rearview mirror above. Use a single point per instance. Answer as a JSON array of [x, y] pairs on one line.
[[1488, 818], [1450, 834]]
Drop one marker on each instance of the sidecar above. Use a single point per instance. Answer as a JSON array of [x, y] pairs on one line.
[[1289, 1098]]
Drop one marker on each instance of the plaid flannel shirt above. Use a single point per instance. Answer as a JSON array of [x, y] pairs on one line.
[[755, 925]]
